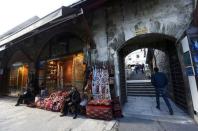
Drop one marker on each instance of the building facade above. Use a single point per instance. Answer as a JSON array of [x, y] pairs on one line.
[[102, 31]]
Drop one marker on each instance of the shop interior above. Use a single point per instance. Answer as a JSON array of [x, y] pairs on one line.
[[60, 73], [18, 78]]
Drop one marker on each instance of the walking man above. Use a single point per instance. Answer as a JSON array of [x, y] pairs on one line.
[[160, 81]]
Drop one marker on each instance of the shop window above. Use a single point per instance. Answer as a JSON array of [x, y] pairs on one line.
[[18, 78], [13, 77], [63, 73]]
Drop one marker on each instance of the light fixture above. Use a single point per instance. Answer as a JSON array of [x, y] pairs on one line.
[[17, 64], [51, 62]]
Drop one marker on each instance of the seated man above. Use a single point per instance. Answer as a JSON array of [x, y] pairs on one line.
[[27, 97], [72, 101]]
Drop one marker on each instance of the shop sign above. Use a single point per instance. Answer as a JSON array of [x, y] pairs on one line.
[[140, 31], [140, 28]]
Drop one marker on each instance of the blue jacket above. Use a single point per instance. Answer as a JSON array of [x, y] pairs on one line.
[[159, 80]]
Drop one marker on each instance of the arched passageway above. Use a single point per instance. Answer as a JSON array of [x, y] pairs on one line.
[[166, 44]]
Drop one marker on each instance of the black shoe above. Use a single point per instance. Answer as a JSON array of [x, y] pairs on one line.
[[17, 104], [171, 113], [158, 107], [75, 117], [62, 115]]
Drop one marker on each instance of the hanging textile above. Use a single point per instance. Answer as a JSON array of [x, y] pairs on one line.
[[95, 87], [100, 84], [104, 85]]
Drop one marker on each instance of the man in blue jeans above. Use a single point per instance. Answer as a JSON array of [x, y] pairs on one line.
[[160, 81]]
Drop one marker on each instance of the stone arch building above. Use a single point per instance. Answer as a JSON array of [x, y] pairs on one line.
[[110, 29]]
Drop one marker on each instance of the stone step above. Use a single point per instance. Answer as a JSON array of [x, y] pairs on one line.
[[139, 84], [140, 87], [141, 91], [141, 95]]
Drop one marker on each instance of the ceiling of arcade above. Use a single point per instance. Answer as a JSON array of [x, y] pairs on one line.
[[31, 47]]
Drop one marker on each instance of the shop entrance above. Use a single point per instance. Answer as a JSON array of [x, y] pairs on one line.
[[61, 63], [18, 78], [142, 93], [61, 73]]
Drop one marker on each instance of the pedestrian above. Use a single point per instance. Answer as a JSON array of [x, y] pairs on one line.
[[142, 68], [136, 69], [160, 82]]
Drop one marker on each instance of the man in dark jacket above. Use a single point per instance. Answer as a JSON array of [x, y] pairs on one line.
[[160, 81], [73, 101], [27, 97]]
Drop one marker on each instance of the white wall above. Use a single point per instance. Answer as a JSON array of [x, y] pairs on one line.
[[132, 59]]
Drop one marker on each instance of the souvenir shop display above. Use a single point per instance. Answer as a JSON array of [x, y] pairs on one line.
[[100, 109], [100, 83], [52, 103], [60, 73], [51, 75], [98, 86], [18, 79]]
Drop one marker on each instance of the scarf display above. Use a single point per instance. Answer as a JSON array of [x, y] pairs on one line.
[[100, 84]]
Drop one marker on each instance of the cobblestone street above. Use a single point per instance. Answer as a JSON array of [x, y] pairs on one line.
[[141, 115], [23, 118]]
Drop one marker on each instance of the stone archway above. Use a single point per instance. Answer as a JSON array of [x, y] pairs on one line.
[[166, 44]]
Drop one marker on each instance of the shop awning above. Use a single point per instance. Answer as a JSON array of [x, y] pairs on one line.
[[61, 14]]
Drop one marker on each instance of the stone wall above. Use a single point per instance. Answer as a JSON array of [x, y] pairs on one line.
[[119, 21], [162, 62]]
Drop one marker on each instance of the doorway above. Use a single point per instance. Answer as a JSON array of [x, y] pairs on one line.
[[160, 50]]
